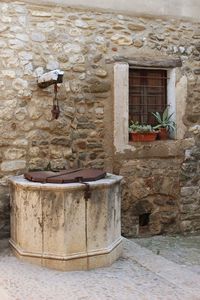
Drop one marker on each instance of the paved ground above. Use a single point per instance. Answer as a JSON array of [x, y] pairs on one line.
[[179, 249], [170, 271]]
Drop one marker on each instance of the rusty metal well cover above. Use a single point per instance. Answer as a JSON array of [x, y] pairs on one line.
[[66, 176]]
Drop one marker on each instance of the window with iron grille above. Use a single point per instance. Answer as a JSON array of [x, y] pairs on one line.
[[147, 94]]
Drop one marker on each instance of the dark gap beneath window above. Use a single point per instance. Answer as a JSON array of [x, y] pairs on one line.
[[144, 219]]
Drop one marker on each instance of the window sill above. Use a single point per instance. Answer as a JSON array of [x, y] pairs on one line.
[[153, 142], [157, 149]]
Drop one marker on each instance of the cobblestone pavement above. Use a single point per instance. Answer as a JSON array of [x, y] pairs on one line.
[[140, 274]]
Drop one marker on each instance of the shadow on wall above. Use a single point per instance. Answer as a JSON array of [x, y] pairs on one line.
[[4, 213]]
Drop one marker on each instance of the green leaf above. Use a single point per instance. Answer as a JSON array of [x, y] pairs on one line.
[[169, 117], [165, 114], [157, 116]]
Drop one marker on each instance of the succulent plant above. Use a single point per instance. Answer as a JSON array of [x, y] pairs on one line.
[[140, 128], [164, 120]]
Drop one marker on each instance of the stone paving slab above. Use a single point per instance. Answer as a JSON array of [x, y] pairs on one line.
[[172, 272], [184, 250], [139, 274], [4, 294]]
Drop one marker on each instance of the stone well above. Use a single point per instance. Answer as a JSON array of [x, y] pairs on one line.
[[53, 225]]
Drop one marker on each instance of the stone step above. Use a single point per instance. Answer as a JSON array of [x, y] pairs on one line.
[[179, 275]]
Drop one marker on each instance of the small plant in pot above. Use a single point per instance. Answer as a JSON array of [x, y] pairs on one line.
[[165, 124], [141, 133]]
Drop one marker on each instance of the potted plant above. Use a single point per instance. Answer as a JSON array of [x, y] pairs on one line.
[[141, 133], [165, 124]]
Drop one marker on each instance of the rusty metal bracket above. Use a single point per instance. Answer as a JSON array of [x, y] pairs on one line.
[[56, 109], [87, 193]]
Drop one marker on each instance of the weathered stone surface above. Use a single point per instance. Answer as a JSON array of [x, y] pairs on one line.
[[139, 61], [22, 37], [52, 65], [37, 13], [12, 154], [74, 32], [20, 114], [34, 113], [138, 43], [99, 110], [19, 84], [197, 71], [77, 59], [4, 28], [101, 73], [63, 58], [97, 58], [81, 24], [25, 55], [38, 37], [79, 68], [16, 44], [97, 87], [135, 27], [196, 34], [9, 166], [20, 142], [122, 40], [61, 142], [63, 213], [100, 40]]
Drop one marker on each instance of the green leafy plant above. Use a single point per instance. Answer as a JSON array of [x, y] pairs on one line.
[[164, 120], [140, 128]]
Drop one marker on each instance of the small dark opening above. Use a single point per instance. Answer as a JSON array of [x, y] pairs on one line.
[[144, 219]]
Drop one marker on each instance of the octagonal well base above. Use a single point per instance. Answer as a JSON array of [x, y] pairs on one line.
[[73, 264], [54, 226]]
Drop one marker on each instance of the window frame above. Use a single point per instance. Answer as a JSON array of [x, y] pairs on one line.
[[176, 93]]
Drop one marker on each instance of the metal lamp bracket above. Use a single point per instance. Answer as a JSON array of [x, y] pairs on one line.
[[47, 79]]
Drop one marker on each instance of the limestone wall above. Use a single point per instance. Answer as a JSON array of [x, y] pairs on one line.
[[34, 39]]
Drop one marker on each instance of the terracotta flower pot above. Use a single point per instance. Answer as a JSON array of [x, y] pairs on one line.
[[163, 134], [143, 137]]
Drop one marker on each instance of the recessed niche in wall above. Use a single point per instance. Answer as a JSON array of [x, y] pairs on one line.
[[144, 219]]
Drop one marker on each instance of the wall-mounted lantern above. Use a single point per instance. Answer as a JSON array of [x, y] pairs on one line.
[[53, 77]]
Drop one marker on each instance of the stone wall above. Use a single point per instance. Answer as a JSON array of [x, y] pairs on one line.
[[152, 187], [35, 39], [190, 187]]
